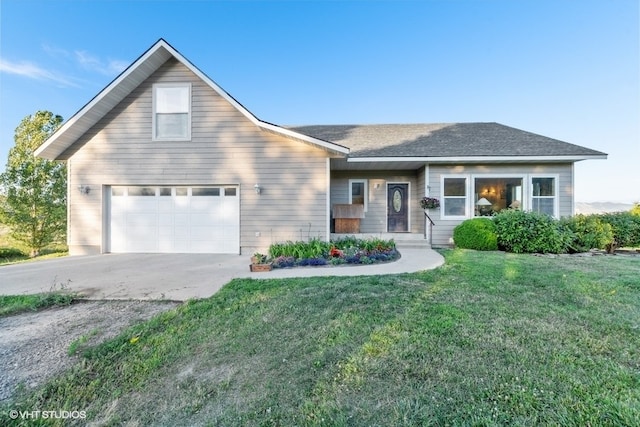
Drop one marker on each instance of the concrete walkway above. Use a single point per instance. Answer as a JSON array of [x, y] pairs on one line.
[[173, 276]]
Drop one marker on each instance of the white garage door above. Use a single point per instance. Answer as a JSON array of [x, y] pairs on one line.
[[175, 219]]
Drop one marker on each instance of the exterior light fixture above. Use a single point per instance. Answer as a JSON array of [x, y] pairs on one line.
[[84, 189], [257, 188]]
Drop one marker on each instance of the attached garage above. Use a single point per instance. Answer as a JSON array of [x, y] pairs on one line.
[[174, 219]]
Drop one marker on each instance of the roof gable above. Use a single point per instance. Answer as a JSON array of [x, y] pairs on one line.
[[140, 70]]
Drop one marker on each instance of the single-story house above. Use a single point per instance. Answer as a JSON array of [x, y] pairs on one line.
[[164, 160]]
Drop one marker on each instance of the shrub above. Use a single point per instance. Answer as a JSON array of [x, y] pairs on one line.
[[284, 262], [476, 233], [531, 232], [314, 248], [589, 232], [625, 227]]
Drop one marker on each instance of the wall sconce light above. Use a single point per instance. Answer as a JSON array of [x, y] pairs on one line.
[[84, 189], [257, 188]]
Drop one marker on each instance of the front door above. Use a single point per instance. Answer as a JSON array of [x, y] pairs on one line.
[[397, 208]]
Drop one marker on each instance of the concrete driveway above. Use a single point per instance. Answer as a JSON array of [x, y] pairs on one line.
[[172, 276]]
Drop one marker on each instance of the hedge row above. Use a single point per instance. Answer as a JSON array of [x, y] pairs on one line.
[[530, 232]]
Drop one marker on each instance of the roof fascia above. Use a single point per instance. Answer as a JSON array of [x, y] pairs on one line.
[[309, 139], [478, 159], [98, 98]]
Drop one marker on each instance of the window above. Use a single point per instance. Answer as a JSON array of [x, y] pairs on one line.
[[165, 191], [172, 112], [543, 195], [142, 191], [117, 191], [454, 197], [493, 194], [205, 191], [229, 191], [358, 192]]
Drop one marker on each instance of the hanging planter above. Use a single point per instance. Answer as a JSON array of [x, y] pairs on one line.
[[429, 203]]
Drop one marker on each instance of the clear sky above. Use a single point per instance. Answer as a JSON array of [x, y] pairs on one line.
[[566, 69]]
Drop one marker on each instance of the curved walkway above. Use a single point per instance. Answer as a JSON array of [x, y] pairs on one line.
[[173, 276], [411, 261]]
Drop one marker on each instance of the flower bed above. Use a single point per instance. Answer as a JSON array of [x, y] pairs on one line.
[[348, 250]]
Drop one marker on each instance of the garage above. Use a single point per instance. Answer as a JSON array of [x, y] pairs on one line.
[[163, 219]]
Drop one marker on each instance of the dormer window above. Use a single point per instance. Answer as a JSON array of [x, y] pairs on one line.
[[172, 112]]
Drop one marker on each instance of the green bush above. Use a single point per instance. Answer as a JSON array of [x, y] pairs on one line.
[[314, 248], [476, 233], [625, 227], [531, 232], [589, 232]]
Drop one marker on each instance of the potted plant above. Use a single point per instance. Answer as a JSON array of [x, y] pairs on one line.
[[259, 263], [429, 203]]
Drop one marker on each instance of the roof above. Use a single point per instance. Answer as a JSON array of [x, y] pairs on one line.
[[460, 142], [446, 141], [131, 78]]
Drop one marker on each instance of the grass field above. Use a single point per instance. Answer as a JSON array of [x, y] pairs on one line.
[[487, 339], [12, 251]]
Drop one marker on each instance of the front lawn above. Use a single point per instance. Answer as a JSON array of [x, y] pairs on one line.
[[487, 339]]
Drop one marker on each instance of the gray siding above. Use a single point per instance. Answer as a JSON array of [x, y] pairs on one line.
[[375, 220], [225, 148], [443, 230]]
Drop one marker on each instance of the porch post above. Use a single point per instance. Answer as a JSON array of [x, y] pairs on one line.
[[328, 199]]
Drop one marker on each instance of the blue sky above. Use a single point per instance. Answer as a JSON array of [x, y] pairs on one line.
[[565, 69]]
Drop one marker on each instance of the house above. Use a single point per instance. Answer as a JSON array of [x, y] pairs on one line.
[[164, 160]]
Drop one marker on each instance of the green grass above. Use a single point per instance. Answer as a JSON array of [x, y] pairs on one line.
[[11, 255], [14, 304], [487, 339], [12, 251]]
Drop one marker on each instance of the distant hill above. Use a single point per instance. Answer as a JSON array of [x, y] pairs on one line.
[[601, 207]]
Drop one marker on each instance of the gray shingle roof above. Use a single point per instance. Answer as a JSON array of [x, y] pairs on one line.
[[442, 140]]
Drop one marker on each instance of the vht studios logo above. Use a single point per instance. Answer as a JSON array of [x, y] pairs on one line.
[[36, 415]]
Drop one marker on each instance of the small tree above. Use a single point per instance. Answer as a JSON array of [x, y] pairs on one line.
[[635, 210], [35, 190]]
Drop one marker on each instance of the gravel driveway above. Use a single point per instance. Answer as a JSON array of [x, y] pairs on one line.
[[35, 346]]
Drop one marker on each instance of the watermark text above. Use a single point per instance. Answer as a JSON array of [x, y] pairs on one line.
[[37, 415]]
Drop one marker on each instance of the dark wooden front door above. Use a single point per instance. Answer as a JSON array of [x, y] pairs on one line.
[[397, 207]]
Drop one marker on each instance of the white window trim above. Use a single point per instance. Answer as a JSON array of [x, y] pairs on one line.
[[556, 188], [365, 189], [153, 118], [527, 191], [468, 198]]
